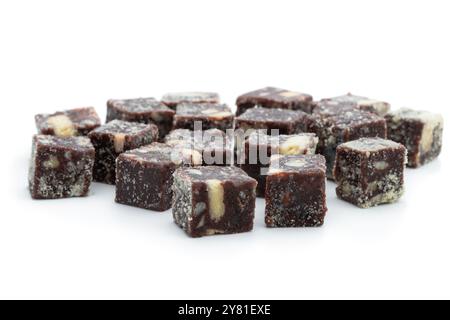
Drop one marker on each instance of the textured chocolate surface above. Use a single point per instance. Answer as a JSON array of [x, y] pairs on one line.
[[271, 97], [144, 176], [174, 98], [112, 139], [209, 147], [142, 110], [335, 123], [286, 121], [419, 131], [363, 103], [259, 147], [213, 200], [211, 116], [60, 167], [295, 191], [369, 171], [73, 122]]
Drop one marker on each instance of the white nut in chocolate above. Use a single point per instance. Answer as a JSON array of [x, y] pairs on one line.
[[289, 94], [295, 145], [215, 198], [62, 125], [119, 142]]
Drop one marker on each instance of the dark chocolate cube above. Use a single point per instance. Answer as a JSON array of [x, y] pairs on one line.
[[271, 97], [210, 116], [213, 200], [371, 105], [142, 110], [259, 147], [295, 191], [112, 139], [336, 123], [175, 98], [73, 122], [60, 167], [209, 147], [419, 131], [144, 176], [369, 171], [286, 121]]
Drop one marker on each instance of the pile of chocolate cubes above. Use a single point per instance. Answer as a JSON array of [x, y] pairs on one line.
[[190, 152]]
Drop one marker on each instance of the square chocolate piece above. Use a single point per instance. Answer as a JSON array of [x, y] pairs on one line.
[[419, 131], [336, 123], [259, 147], [60, 167], [175, 98], [210, 116], [369, 171], [69, 123], [209, 147], [375, 106], [143, 110], [112, 139], [295, 191], [271, 97], [144, 176], [213, 200], [286, 121]]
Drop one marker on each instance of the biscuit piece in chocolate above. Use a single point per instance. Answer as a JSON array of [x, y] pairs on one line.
[[419, 131], [295, 191], [371, 105], [208, 147], [144, 176], [335, 123], [286, 121], [69, 123], [369, 171], [112, 139], [143, 110], [174, 98], [213, 200], [60, 167], [259, 147], [271, 97], [210, 116]]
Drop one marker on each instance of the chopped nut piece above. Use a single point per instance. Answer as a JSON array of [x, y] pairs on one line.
[[215, 196]]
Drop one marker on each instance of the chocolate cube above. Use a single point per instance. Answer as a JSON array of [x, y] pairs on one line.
[[144, 176], [335, 123], [112, 139], [208, 147], [142, 110], [271, 97], [69, 123], [175, 98], [60, 167], [213, 200], [369, 171], [295, 191], [259, 147], [363, 103], [286, 121], [419, 131], [209, 116]]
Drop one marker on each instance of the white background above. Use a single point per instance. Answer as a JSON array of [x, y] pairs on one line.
[[62, 54]]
